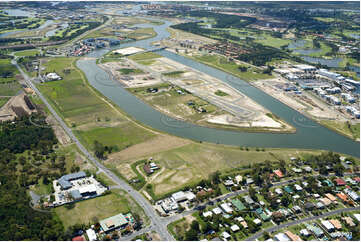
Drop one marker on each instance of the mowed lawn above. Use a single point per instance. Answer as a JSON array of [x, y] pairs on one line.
[[85, 212], [27, 53]]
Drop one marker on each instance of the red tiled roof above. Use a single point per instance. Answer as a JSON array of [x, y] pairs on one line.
[[78, 238], [340, 182], [278, 173], [357, 179]]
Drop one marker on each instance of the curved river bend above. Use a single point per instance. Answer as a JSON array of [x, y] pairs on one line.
[[309, 134]]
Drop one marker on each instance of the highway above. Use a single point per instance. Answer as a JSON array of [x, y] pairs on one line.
[[285, 225], [159, 226]]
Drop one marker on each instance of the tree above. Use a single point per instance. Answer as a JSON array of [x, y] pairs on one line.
[[195, 225], [215, 177], [99, 149], [191, 235]]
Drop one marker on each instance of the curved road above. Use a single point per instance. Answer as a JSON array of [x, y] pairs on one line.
[[285, 225], [159, 226]]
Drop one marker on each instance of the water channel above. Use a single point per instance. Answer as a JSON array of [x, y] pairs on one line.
[[309, 134]]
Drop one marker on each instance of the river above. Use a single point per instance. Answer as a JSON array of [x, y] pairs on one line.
[[309, 134]]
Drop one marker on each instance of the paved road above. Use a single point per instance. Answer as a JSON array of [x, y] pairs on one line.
[[285, 225], [159, 226]]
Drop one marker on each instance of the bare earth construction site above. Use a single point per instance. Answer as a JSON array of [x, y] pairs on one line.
[[187, 94]]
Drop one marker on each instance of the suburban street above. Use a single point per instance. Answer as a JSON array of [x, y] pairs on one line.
[[159, 226], [285, 225]]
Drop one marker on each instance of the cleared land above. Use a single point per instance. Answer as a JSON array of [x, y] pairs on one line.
[[9, 75], [27, 53], [232, 67], [189, 163], [88, 211], [83, 109]]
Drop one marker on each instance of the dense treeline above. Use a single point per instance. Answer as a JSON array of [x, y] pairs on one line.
[[23, 135], [224, 20], [18, 221]]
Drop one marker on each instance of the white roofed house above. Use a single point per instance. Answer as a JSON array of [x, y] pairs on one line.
[[226, 208], [298, 187], [207, 214], [91, 235], [226, 235], [217, 210], [235, 228], [327, 225]]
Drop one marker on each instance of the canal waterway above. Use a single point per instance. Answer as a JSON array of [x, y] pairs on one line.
[[309, 134]]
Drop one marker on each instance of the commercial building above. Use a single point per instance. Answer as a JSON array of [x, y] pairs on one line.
[[114, 222]]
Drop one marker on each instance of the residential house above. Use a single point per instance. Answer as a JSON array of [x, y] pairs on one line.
[[281, 237], [238, 204], [207, 214], [340, 182], [331, 197], [327, 225], [336, 224], [217, 210], [226, 208], [315, 230], [248, 200], [327, 202], [235, 228], [278, 191], [278, 173], [225, 235], [238, 179], [91, 234], [257, 221], [348, 221], [288, 189], [342, 196], [353, 195], [305, 232], [292, 236]]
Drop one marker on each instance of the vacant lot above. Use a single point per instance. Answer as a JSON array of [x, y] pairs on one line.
[[189, 163], [144, 56], [91, 210], [82, 108], [9, 85], [221, 62], [145, 33], [27, 53], [352, 130]]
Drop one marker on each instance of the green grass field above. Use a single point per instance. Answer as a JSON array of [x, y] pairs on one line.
[[9, 85], [122, 135], [143, 33], [220, 62], [3, 100], [266, 39], [221, 93], [127, 71], [87, 211], [190, 163], [353, 131], [83, 110], [144, 56], [27, 53]]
